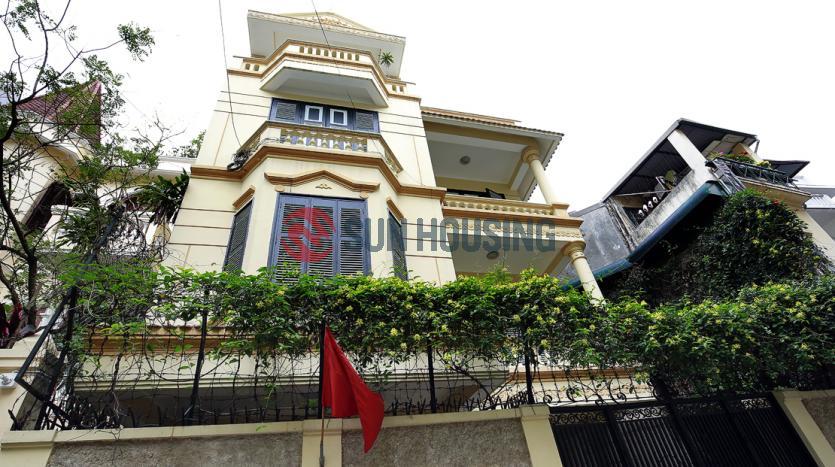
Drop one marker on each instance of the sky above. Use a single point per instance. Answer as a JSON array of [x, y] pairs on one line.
[[611, 76]]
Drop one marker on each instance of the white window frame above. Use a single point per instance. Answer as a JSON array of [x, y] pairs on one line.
[[307, 109], [344, 114]]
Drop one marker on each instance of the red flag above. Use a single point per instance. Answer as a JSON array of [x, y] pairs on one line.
[[346, 393]]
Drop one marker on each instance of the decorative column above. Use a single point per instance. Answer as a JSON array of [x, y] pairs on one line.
[[531, 157], [574, 251]]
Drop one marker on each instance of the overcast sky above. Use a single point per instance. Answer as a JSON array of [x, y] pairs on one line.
[[611, 76]]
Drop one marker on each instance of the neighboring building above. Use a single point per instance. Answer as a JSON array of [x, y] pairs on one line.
[[821, 206], [318, 120], [39, 199], [678, 178]]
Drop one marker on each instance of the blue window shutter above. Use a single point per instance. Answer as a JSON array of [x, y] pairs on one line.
[[291, 215], [352, 252], [284, 110], [237, 239], [398, 252], [339, 228], [322, 242], [365, 121]]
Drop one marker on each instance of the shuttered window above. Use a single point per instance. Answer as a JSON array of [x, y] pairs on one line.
[[398, 252], [237, 239], [285, 110], [365, 121], [319, 236], [314, 114]]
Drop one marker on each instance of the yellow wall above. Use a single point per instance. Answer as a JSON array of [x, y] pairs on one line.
[[201, 233]]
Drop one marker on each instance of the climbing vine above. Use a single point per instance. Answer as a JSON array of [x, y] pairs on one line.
[[763, 336]]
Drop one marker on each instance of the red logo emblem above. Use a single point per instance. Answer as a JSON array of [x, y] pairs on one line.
[[310, 235]]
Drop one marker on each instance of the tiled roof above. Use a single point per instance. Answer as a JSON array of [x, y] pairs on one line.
[[50, 105]]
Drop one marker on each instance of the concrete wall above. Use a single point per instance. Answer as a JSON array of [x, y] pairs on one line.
[[278, 449], [498, 442], [812, 414], [822, 410], [512, 437], [825, 217]]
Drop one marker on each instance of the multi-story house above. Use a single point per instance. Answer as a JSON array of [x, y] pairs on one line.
[[681, 177], [320, 158], [317, 130]]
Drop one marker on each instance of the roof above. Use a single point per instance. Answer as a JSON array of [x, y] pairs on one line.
[[790, 168], [548, 140], [328, 18], [267, 31], [700, 134], [49, 106], [483, 119]]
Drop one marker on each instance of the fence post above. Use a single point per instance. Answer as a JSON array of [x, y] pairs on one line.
[[620, 443], [319, 408], [528, 375], [663, 391], [188, 417], [433, 401], [528, 354]]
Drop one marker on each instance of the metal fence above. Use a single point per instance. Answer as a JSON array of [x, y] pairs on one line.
[[733, 431], [175, 375]]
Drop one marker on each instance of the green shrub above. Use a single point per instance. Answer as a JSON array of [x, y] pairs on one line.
[[765, 336]]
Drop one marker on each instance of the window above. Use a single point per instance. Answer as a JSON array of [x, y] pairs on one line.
[[284, 110], [398, 252], [321, 236], [305, 113], [237, 239], [41, 214], [339, 117], [313, 113]]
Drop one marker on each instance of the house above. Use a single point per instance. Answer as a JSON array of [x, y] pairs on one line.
[[687, 171], [319, 158]]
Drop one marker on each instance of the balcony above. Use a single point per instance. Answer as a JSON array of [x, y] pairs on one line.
[[336, 73], [484, 233], [758, 173], [339, 144]]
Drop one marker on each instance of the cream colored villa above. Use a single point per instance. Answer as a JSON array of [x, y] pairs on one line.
[[318, 131]]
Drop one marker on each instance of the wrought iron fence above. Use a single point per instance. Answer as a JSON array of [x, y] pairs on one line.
[[174, 374]]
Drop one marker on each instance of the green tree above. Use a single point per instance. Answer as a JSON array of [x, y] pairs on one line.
[[751, 240], [59, 103]]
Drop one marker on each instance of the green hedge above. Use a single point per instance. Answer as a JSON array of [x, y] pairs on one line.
[[767, 335]]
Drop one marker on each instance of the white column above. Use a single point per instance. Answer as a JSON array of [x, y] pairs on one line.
[[574, 251], [531, 156]]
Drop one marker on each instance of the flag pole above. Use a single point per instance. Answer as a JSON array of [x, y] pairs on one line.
[[322, 394]]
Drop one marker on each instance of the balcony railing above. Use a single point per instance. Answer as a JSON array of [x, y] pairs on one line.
[[492, 206], [330, 139], [346, 57], [755, 172]]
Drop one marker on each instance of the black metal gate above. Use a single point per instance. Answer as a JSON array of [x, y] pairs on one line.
[[737, 431]]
